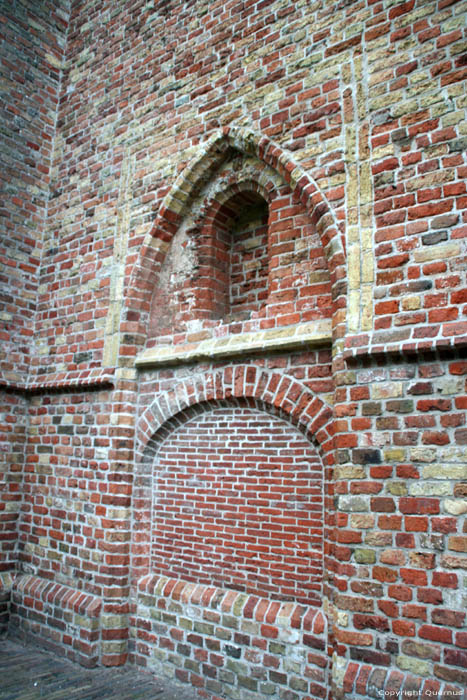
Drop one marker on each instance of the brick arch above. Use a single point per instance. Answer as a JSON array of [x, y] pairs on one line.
[[271, 390], [221, 195], [238, 386], [198, 173], [257, 176]]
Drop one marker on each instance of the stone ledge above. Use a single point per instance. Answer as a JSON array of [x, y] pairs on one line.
[[65, 597], [285, 615], [304, 336]]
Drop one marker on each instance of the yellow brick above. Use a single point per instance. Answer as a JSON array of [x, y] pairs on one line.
[[366, 185], [352, 234], [362, 521], [353, 310], [363, 145], [353, 472], [352, 186], [353, 265], [426, 488], [411, 303], [437, 252], [416, 666], [394, 454], [368, 271], [367, 308]]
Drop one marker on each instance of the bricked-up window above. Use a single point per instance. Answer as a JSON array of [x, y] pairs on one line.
[[237, 503]]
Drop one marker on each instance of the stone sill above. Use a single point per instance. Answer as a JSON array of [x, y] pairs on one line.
[[304, 336]]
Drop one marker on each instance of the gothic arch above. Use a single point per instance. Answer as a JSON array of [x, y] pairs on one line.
[[177, 201], [225, 191]]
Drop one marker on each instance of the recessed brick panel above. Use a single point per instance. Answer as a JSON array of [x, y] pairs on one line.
[[238, 503]]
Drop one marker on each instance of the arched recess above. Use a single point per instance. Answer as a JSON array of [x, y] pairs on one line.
[[177, 202], [235, 496], [242, 386], [243, 283]]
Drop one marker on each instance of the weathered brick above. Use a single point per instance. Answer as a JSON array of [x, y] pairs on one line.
[[186, 220]]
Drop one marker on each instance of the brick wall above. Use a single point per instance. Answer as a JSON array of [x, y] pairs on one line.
[[13, 435], [32, 40], [238, 503], [399, 537], [67, 493], [348, 120], [227, 644], [32, 47]]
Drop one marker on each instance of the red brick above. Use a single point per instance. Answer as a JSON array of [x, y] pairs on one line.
[[403, 628], [435, 634], [93, 221]]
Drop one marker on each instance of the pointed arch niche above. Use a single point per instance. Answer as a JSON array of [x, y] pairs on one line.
[[245, 255], [216, 269]]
